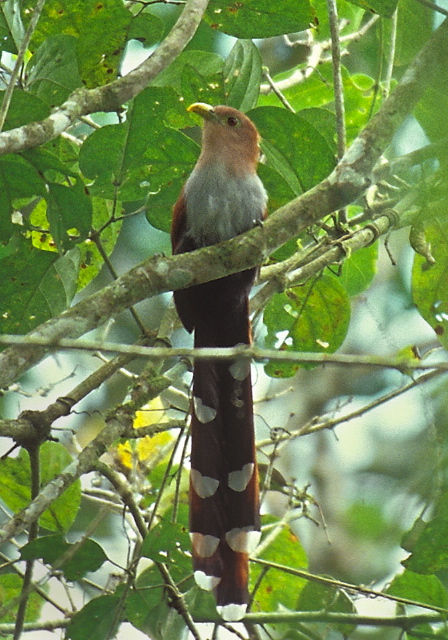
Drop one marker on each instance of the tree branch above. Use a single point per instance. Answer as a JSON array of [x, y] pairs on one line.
[[400, 363]]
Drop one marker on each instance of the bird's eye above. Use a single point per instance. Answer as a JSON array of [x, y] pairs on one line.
[[232, 121]]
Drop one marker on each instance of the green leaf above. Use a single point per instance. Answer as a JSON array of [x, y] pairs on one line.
[[430, 549], [414, 26], [69, 214], [278, 587], [325, 122], [144, 601], [426, 589], [54, 457], [24, 108], [101, 29], [317, 91], [15, 481], [88, 557], [384, 8], [102, 40], [146, 28], [159, 205], [146, 607], [18, 179], [429, 289], [201, 603], [48, 164], [242, 75], [53, 70], [204, 62], [10, 589], [91, 260], [169, 542], [359, 270], [196, 87], [259, 18], [11, 27], [313, 317], [293, 147], [320, 597], [195, 76], [36, 285], [432, 110], [277, 187], [99, 619], [131, 159], [158, 622]]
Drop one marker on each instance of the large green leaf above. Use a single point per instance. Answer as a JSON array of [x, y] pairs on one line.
[[384, 8], [414, 26], [53, 69], [242, 75], [278, 587], [317, 91], [321, 597], [102, 39], [429, 542], [259, 18], [24, 108], [35, 286], [18, 179], [99, 619], [359, 269], [82, 559], [169, 542], [15, 479], [293, 147], [147, 607], [429, 281], [11, 586], [146, 28], [11, 27], [313, 317], [427, 589], [91, 260], [69, 214], [129, 160]]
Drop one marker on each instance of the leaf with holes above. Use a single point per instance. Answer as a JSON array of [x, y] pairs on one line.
[[259, 18]]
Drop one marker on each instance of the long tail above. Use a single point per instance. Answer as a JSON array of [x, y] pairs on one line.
[[224, 503]]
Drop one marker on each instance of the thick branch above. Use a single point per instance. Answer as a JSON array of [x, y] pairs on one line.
[[111, 97]]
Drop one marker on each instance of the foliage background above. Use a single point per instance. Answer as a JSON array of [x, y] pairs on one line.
[[353, 453]]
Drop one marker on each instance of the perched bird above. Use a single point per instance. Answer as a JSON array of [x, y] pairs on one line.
[[222, 198]]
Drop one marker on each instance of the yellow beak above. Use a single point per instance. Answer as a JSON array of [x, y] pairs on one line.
[[204, 110]]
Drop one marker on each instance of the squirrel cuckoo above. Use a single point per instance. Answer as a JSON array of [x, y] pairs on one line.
[[222, 198]]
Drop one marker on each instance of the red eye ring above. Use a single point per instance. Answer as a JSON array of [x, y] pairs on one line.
[[232, 121]]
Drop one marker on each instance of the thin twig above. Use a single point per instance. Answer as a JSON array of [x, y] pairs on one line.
[[402, 364], [337, 77], [339, 584], [314, 425], [277, 91], [391, 55], [33, 452]]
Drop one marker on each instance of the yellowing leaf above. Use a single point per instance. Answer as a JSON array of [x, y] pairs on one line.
[[148, 448]]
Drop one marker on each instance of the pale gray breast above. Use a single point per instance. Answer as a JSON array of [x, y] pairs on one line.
[[221, 206]]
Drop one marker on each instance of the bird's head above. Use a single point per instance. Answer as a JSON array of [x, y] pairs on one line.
[[229, 137]]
